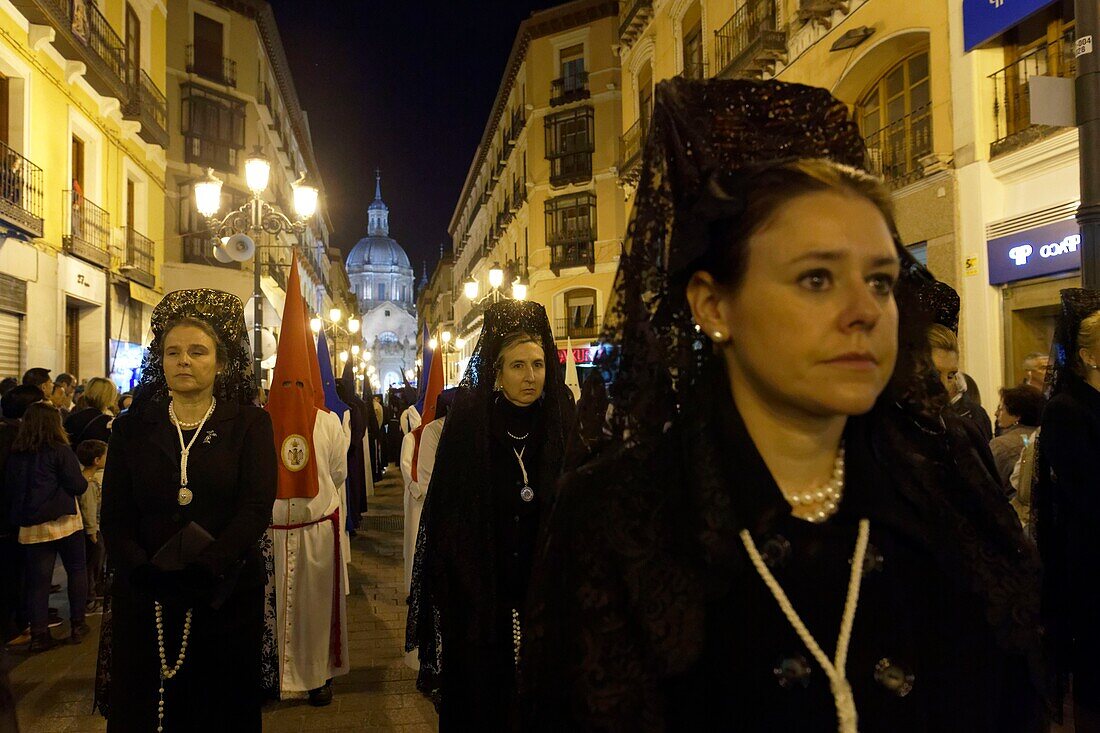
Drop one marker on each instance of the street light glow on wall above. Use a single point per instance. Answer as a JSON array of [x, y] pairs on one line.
[[208, 194], [459, 343], [470, 288], [257, 172]]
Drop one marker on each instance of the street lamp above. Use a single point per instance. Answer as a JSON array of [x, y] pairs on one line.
[[496, 280], [332, 326], [447, 344], [496, 276], [470, 289], [253, 218]]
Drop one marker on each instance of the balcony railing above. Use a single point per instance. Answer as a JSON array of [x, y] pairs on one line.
[[20, 193], [694, 69], [1012, 92], [588, 328], [895, 151], [210, 153], [749, 42], [83, 34], [148, 105], [572, 249], [569, 89], [519, 119], [630, 152], [139, 258], [572, 167], [87, 230], [198, 250], [633, 17], [216, 68], [519, 195]]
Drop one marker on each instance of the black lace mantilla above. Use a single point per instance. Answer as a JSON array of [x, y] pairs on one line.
[[225, 314]]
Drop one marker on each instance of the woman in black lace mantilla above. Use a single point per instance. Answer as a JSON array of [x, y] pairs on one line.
[[498, 459], [776, 525]]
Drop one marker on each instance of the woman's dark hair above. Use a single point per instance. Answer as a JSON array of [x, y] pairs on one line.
[[757, 195], [220, 350], [514, 338], [1025, 403], [15, 403], [40, 428], [87, 451]]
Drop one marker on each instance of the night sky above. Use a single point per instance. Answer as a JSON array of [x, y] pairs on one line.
[[405, 86]]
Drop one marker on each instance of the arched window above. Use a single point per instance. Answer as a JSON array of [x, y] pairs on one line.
[[381, 291], [895, 116], [581, 318], [387, 337]]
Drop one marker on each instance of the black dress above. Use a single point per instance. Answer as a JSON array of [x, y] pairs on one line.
[[232, 472], [1069, 445], [478, 685], [647, 614]]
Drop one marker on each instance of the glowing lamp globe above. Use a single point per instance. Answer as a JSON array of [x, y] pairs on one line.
[[208, 194], [257, 172]]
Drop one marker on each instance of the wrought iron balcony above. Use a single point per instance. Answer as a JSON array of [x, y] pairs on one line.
[[571, 167], [140, 258], [749, 43], [199, 250], [694, 69], [216, 68], [147, 105], [895, 151], [519, 195], [569, 89], [83, 34], [572, 247], [519, 120], [630, 153], [87, 232], [1012, 93], [576, 328], [20, 194], [634, 15]]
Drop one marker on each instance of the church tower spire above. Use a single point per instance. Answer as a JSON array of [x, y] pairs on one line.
[[378, 213]]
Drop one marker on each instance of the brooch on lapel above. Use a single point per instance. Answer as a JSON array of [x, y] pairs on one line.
[[210, 435]]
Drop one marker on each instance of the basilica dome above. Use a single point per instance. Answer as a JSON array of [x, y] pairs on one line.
[[378, 251], [378, 268]]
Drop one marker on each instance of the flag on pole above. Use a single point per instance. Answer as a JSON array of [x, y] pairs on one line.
[[425, 372], [292, 400]]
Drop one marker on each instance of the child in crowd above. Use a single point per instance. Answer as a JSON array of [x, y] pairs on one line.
[[93, 457]]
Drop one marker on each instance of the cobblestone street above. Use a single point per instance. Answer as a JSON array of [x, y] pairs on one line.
[[54, 690]]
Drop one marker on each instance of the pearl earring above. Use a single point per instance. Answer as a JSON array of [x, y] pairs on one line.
[[717, 336]]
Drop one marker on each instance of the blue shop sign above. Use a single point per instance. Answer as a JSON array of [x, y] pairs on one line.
[[984, 19], [1045, 250]]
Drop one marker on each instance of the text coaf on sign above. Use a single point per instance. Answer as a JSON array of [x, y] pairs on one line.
[[1046, 250]]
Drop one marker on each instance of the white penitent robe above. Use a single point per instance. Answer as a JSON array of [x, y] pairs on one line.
[[312, 640], [410, 419], [415, 491]]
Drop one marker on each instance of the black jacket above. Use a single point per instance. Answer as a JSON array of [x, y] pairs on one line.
[[88, 424], [231, 471], [42, 486]]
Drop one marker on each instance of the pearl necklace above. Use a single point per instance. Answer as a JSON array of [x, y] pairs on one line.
[[826, 497], [847, 717], [166, 672], [184, 496]]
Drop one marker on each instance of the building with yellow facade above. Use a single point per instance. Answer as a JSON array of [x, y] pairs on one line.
[[83, 130], [541, 198], [948, 124], [230, 86]]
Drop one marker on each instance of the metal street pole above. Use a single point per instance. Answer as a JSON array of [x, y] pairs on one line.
[[1088, 127]]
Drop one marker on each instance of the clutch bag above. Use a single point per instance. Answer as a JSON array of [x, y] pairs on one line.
[[182, 548]]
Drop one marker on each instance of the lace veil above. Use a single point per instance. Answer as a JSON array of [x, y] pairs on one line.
[[225, 314]]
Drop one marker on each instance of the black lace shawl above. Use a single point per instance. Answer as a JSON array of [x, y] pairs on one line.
[[455, 559], [643, 529]]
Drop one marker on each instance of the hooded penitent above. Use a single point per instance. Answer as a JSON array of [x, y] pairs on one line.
[[292, 399]]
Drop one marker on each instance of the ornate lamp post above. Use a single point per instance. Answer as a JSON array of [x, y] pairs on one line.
[[255, 217], [471, 287], [332, 326]]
